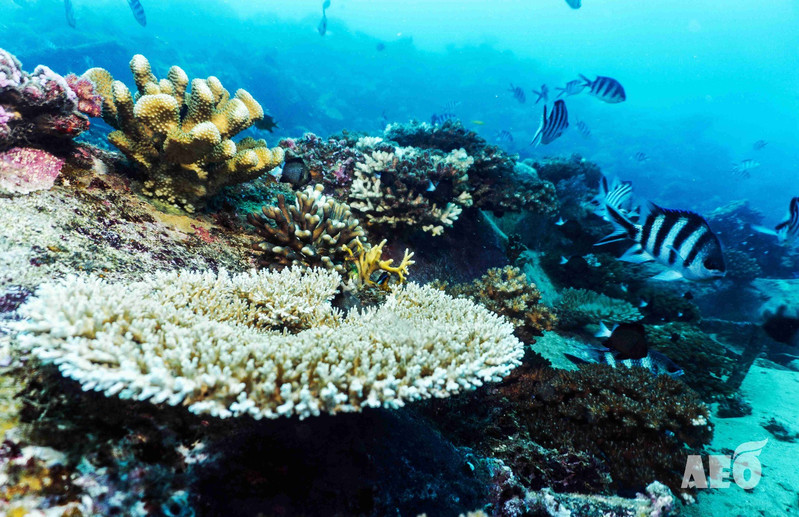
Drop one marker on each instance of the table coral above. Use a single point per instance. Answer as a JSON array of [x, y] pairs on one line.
[[181, 140], [39, 108], [224, 345], [506, 291]]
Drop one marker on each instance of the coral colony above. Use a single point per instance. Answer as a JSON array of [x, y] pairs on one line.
[[343, 325]]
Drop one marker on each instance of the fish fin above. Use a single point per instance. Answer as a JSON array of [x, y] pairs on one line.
[[576, 360], [586, 81], [620, 221], [668, 276], [767, 231], [563, 260], [603, 331], [636, 255], [540, 133]]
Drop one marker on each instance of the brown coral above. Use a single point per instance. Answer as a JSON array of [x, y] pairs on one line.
[[506, 291], [181, 140]]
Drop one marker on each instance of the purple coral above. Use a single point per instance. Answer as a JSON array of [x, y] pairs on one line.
[[24, 170]]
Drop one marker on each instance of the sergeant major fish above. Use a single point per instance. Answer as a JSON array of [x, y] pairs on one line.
[[518, 93], [571, 88], [615, 193], [552, 126], [743, 168], [543, 94], [788, 230], [605, 89], [679, 239]]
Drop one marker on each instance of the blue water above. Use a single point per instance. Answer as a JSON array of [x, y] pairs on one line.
[[704, 79]]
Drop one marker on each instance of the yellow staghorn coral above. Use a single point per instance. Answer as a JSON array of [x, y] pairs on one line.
[[264, 344], [368, 261], [179, 139]]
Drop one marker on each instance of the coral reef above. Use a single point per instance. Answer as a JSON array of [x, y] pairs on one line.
[[701, 357], [179, 140], [741, 266], [663, 305], [221, 344], [38, 109], [613, 429], [560, 169], [494, 182], [507, 292], [580, 307], [369, 261], [25, 169]]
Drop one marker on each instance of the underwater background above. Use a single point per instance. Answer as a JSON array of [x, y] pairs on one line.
[[156, 301]]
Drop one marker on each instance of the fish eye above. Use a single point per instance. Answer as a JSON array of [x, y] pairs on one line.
[[712, 264]]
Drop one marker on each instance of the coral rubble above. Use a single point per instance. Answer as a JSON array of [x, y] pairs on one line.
[[181, 140], [507, 292], [224, 345]]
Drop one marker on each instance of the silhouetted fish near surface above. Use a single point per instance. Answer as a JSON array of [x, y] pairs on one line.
[[267, 123], [742, 169], [679, 239], [605, 89], [571, 88], [543, 94], [138, 12], [518, 93], [322, 27], [760, 144], [574, 4], [380, 47], [583, 128], [69, 10], [552, 126], [325, 5], [640, 157], [788, 230], [505, 137]]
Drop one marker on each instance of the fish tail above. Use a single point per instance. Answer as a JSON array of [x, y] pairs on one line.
[[586, 81], [624, 227]]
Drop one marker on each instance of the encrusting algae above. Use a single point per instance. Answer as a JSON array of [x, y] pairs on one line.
[[179, 139]]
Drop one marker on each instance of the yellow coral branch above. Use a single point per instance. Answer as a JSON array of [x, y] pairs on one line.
[[368, 261]]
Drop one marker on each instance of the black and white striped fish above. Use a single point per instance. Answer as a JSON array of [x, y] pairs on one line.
[[654, 361], [679, 239], [583, 128], [518, 93], [69, 10], [138, 12], [571, 88], [640, 157], [788, 230], [543, 94], [574, 4], [615, 193], [605, 89], [439, 119], [742, 169], [505, 137], [552, 126]]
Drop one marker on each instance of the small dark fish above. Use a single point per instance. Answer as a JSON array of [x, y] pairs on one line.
[[688, 295], [788, 230], [574, 4], [583, 128], [781, 327], [380, 46], [322, 27], [505, 137], [267, 123], [382, 279], [679, 239], [571, 88], [325, 5], [628, 339], [295, 173], [760, 144], [605, 89], [552, 126], [518, 93], [640, 157], [742, 169], [70, 12], [138, 12], [543, 94]]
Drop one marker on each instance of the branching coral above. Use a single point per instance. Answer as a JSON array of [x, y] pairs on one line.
[[219, 345], [507, 292], [369, 261], [578, 307], [181, 140]]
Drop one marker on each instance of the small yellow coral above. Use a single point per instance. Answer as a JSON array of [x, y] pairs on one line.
[[367, 262]]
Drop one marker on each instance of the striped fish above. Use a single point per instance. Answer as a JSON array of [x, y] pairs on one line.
[[518, 93], [760, 144], [742, 169], [69, 10], [583, 128], [615, 193], [575, 4], [505, 137], [553, 126], [788, 230], [640, 157], [571, 88], [543, 94], [605, 89], [138, 12], [654, 361], [679, 239]]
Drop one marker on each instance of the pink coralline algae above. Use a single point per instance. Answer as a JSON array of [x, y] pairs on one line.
[[24, 170], [44, 109], [89, 101]]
